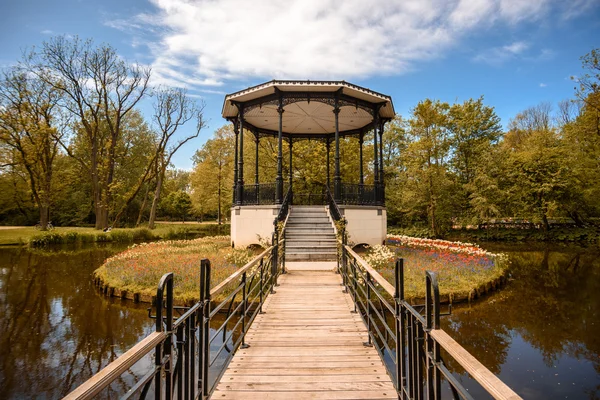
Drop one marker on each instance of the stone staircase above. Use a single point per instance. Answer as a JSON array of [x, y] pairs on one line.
[[310, 235]]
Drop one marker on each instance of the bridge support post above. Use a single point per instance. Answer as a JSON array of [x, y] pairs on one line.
[[204, 329], [400, 323]]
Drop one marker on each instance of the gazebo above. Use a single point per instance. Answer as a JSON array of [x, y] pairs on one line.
[[299, 110]]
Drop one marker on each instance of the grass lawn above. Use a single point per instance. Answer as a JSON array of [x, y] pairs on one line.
[[139, 268], [28, 234], [18, 235]]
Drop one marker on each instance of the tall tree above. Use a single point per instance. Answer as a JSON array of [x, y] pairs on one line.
[[100, 89], [29, 128], [172, 109], [212, 178], [427, 164]]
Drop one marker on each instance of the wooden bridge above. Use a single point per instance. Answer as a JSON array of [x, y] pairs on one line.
[[276, 329], [308, 344]]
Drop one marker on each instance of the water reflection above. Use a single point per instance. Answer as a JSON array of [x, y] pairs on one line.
[[541, 333], [55, 330]]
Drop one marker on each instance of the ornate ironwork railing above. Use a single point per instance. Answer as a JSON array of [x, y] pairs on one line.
[[408, 338], [192, 351], [356, 194], [261, 194], [350, 194]]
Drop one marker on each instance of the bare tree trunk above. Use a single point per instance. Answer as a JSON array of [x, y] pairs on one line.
[[156, 198], [139, 218]]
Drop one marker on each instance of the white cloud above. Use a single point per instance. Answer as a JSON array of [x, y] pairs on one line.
[[207, 42], [499, 55], [47, 32], [543, 85]]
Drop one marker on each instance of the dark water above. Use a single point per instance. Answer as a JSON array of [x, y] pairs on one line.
[[55, 330], [540, 334]]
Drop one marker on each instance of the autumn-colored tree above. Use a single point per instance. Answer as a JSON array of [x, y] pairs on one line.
[[30, 133]]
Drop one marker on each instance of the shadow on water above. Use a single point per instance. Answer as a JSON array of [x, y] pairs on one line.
[[541, 333]]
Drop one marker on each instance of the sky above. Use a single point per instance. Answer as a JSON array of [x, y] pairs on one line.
[[514, 53]]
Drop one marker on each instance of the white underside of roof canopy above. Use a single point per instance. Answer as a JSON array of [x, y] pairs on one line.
[[308, 118]]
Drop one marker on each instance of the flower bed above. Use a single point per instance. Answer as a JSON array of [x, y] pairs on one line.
[[135, 272], [464, 270]]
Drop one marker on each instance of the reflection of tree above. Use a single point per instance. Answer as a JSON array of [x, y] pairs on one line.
[[553, 302], [56, 331]]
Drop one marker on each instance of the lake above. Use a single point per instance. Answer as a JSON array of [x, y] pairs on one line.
[[540, 333]]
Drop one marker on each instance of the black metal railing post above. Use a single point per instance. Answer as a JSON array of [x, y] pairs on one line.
[[204, 345], [369, 342], [163, 357], [244, 345], [344, 257], [400, 323], [274, 256], [432, 321]]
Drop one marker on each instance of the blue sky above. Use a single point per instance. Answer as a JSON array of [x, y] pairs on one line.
[[516, 53]]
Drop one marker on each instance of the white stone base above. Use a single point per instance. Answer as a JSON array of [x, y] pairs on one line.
[[366, 224], [248, 222]]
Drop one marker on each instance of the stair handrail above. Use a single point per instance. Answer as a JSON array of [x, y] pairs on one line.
[[334, 210]]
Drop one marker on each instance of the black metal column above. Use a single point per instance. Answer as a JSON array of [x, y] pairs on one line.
[[381, 175], [240, 183], [361, 179], [375, 154], [328, 149], [291, 173], [235, 163], [257, 140], [279, 179], [361, 140], [337, 180]]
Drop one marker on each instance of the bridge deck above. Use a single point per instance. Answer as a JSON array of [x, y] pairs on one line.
[[308, 344]]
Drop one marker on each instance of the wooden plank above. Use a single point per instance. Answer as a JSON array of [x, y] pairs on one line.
[[308, 371], [308, 378], [286, 395], [292, 386], [310, 364], [489, 381]]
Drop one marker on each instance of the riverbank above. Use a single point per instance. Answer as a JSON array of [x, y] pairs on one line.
[[23, 235], [554, 235]]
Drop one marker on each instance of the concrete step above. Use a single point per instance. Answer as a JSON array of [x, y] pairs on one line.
[[310, 242], [309, 225], [310, 257], [308, 220], [303, 249]]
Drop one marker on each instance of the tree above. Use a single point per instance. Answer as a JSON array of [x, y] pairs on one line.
[[100, 89], [212, 178], [29, 129], [428, 183], [172, 109], [539, 178]]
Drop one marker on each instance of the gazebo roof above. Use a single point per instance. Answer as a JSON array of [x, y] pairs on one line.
[[308, 107]]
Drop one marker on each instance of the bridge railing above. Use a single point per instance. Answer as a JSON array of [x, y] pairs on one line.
[[408, 338], [192, 351]]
